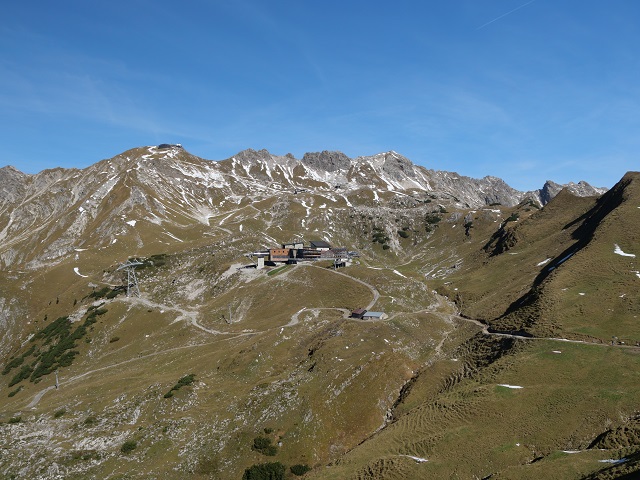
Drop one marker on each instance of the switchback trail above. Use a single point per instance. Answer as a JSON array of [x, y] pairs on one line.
[[374, 290]]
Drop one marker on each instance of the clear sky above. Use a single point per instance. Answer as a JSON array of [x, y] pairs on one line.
[[519, 89]]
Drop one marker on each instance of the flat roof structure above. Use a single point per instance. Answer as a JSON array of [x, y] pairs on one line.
[[375, 315]]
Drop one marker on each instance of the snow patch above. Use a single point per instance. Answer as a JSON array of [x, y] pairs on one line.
[[398, 273], [619, 251], [173, 236], [613, 460], [544, 262], [75, 269], [506, 385], [131, 222], [417, 459]]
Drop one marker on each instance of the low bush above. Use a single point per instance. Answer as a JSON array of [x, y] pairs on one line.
[[128, 446], [183, 382], [300, 469], [265, 471], [90, 420], [24, 372], [16, 362], [264, 446], [513, 217], [14, 392]]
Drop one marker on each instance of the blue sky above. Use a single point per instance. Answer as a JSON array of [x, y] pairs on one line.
[[523, 90]]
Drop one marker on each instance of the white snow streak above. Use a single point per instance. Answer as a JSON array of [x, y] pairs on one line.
[[75, 269], [619, 251], [173, 236], [506, 385], [417, 459], [398, 273]]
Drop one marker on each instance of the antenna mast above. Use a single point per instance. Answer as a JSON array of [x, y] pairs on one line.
[[132, 280]]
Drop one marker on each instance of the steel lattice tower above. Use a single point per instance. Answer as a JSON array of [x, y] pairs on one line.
[[132, 280]]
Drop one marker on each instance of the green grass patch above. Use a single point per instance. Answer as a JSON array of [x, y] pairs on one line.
[[275, 271]]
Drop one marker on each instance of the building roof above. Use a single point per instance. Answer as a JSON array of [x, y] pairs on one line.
[[358, 311], [320, 244], [374, 314]]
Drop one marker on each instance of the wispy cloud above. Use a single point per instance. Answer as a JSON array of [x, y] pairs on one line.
[[504, 15]]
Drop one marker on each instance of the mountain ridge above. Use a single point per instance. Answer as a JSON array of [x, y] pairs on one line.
[[218, 359]]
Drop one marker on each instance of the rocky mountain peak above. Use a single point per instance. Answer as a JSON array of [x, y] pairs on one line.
[[582, 189], [327, 161], [253, 156], [397, 166]]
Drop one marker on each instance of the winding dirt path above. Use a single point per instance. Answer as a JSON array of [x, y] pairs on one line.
[[374, 290], [443, 308]]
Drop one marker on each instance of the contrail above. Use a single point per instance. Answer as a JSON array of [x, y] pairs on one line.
[[505, 14]]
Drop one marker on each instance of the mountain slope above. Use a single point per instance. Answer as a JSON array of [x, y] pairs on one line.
[[215, 367]]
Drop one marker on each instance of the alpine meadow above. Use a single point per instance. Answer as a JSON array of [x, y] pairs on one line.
[[328, 318]]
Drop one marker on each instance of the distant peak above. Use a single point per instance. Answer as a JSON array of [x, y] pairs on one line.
[[252, 155], [327, 161]]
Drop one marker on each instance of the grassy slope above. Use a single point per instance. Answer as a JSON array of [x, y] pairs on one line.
[[323, 384], [476, 427], [326, 384]]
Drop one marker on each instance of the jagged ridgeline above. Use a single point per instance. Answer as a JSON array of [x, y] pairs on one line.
[[323, 318]]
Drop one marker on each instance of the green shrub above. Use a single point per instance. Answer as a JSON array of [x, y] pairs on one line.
[[184, 381], [114, 339], [128, 446], [14, 392], [13, 420], [265, 471], [16, 362], [264, 446], [403, 233], [385, 247], [90, 420], [114, 293], [300, 469], [97, 294], [379, 237], [24, 372], [59, 413], [432, 218]]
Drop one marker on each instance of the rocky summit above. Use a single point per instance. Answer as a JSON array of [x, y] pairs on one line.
[[267, 317]]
